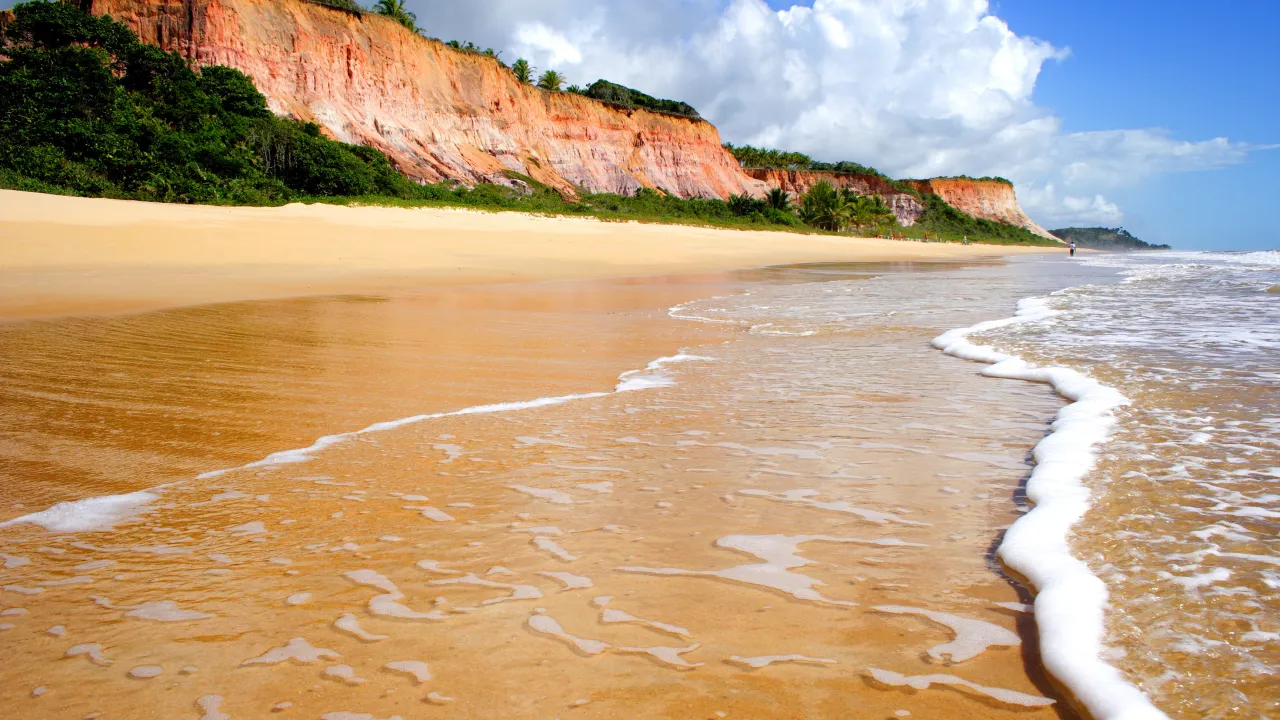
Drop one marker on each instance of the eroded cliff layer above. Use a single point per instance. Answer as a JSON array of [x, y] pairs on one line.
[[439, 114], [986, 199]]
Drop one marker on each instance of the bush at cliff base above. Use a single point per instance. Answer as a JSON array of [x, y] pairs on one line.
[[89, 110]]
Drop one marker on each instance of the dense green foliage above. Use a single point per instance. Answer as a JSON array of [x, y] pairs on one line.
[[629, 97], [778, 199], [827, 208], [396, 10], [91, 111], [645, 205], [1101, 238], [348, 5], [984, 178], [822, 207], [754, 157]]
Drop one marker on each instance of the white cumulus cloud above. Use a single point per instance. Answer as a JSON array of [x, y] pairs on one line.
[[916, 88]]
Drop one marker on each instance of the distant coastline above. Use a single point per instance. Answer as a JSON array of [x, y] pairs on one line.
[[1103, 238]]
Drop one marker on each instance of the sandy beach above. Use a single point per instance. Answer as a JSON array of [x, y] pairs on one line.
[[305, 454], [65, 255]]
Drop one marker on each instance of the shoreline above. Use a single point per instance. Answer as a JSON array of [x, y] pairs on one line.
[[1070, 599], [100, 256]]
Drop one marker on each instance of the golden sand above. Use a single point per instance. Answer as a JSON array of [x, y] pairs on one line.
[[64, 255]]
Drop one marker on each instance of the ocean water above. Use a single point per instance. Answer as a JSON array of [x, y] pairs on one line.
[[1182, 524], [835, 494]]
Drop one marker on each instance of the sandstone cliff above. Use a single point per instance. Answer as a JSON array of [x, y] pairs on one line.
[[439, 114], [986, 199], [797, 182]]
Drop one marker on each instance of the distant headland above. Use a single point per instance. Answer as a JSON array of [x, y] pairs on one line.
[[1102, 238]]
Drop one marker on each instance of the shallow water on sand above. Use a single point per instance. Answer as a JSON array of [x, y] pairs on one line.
[[794, 514]]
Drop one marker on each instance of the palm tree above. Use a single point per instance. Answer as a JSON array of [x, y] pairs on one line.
[[778, 199], [523, 71], [823, 207], [396, 10], [869, 211], [551, 80]]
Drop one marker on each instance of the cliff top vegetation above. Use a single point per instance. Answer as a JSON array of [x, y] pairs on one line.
[[984, 178], [766, 158], [630, 97]]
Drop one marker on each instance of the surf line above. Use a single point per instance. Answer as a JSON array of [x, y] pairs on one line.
[[649, 377], [1070, 600], [103, 512]]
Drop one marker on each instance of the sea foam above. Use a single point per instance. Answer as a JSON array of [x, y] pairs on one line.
[[90, 514], [103, 513], [653, 375], [1070, 598]]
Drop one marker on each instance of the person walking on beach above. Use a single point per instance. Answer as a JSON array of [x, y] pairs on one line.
[[1072, 251]]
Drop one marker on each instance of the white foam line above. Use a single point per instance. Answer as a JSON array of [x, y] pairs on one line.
[[297, 455], [1070, 600], [649, 377], [652, 376], [102, 513], [90, 514]]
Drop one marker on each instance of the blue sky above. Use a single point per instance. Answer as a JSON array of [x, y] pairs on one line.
[[1199, 69]]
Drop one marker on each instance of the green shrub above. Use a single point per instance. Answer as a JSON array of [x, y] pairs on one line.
[[629, 97], [944, 222], [345, 5]]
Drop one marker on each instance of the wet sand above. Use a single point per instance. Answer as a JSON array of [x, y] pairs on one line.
[[65, 255], [626, 553]]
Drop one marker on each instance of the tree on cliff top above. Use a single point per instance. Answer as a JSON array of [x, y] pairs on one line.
[[396, 10], [551, 80], [523, 71]]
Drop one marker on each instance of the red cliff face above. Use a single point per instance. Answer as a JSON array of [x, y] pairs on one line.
[[439, 114], [986, 199], [797, 182]]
